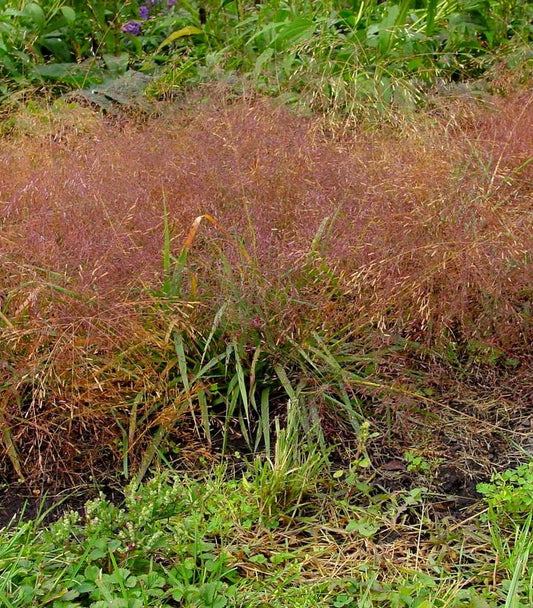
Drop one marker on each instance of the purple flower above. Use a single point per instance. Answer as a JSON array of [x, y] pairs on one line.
[[171, 3], [144, 12], [133, 28]]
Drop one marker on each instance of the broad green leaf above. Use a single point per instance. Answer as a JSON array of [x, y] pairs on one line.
[[57, 71], [478, 602], [36, 14], [92, 573], [189, 30], [57, 47], [385, 28], [85, 587], [69, 14], [263, 58], [264, 32], [293, 32]]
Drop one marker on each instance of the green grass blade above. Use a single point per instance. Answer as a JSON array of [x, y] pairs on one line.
[[216, 323], [430, 16], [150, 453], [209, 365], [241, 380], [231, 403], [204, 414], [520, 556], [286, 383], [264, 421], [182, 360], [184, 371]]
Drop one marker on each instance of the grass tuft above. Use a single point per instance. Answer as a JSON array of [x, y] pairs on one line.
[[359, 264]]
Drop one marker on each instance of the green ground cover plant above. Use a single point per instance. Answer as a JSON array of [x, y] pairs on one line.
[[180, 541]]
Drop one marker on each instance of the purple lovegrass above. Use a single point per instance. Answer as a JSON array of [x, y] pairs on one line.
[[419, 251], [133, 28], [412, 239]]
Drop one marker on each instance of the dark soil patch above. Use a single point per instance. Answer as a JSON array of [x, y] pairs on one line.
[[20, 502], [462, 447]]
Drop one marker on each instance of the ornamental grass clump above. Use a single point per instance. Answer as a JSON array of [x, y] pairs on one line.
[[326, 253]]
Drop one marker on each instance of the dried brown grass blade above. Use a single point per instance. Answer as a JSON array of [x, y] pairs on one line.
[[7, 440], [187, 244]]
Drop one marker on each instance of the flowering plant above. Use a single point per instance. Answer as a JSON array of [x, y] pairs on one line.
[[145, 11]]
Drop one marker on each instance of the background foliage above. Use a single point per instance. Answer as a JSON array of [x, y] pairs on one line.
[[331, 54]]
